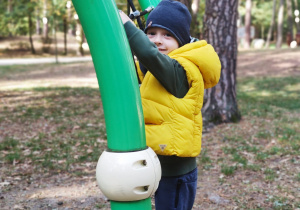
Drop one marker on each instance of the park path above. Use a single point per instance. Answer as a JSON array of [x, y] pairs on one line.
[[25, 61]]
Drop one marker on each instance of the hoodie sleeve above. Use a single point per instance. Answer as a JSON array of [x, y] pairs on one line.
[[165, 69]]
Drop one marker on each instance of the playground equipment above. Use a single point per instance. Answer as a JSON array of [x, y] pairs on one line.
[[128, 172]]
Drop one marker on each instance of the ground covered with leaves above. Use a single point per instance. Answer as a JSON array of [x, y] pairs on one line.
[[52, 132]]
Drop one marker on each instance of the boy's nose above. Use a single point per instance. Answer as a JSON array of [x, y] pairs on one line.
[[157, 40]]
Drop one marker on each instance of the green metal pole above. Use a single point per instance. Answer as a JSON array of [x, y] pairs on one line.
[[115, 73], [117, 80], [147, 3], [131, 205]]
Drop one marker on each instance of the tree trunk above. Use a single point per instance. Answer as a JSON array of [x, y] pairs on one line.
[[195, 31], [9, 10], [193, 6], [45, 23], [9, 6], [290, 19], [81, 42], [297, 24], [30, 33], [220, 30], [279, 24], [271, 25], [38, 23], [65, 35], [79, 38], [70, 29], [248, 24]]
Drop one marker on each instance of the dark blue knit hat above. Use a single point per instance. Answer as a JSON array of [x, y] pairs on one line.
[[172, 16]]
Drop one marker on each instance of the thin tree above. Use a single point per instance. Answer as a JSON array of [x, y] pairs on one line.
[[290, 19], [54, 17], [30, 28], [9, 6], [29, 10], [220, 30], [271, 25], [248, 24], [279, 24], [65, 10], [297, 24], [9, 11], [45, 21], [193, 6], [38, 22], [195, 23], [65, 35], [79, 38]]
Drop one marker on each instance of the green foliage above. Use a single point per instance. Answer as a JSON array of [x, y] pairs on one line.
[[205, 160], [270, 174], [8, 144], [276, 150], [264, 134], [261, 15], [298, 177], [11, 148], [272, 98], [253, 167], [15, 22], [280, 203], [261, 156], [228, 170]]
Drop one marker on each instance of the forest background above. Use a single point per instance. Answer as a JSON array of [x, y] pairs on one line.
[[261, 23], [52, 128]]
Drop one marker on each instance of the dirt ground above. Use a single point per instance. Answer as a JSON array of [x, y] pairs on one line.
[[64, 191], [276, 63]]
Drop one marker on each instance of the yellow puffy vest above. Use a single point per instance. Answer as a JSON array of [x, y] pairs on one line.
[[174, 125]]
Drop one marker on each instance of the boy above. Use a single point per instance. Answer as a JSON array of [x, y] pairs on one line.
[[174, 73]]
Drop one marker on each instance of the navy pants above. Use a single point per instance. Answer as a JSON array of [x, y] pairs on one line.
[[177, 192]]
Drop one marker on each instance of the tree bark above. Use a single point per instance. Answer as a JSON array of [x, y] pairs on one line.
[[65, 35], [45, 24], [30, 32], [70, 29], [290, 18], [271, 25], [38, 23], [193, 7], [9, 6], [297, 24], [79, 38], [279, 24], [248, 24], [220, 30], [195, 32], [9, 10]]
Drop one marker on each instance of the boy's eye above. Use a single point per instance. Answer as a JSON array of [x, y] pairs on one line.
[[151, 33], [168, 35]]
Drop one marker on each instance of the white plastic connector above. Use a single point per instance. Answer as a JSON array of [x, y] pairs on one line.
[[128, 176]]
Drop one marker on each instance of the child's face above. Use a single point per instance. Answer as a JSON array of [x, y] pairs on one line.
[[163, 39]]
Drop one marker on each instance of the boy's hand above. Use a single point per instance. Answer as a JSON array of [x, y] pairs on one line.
[[124, 17]]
